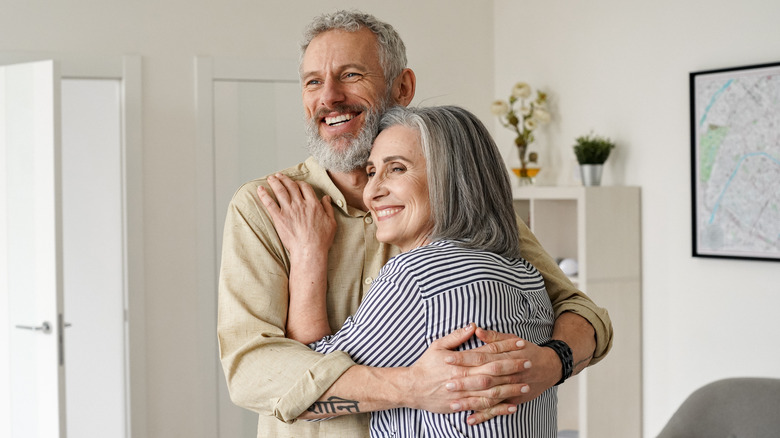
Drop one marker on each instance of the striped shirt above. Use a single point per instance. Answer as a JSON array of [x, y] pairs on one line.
[[424, 294]]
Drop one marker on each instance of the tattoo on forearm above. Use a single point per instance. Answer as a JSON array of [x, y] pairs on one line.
[[335, 405]]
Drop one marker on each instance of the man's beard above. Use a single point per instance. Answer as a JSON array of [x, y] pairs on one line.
[[354, 154]]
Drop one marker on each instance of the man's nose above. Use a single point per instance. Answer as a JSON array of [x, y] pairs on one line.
[[332, 93]]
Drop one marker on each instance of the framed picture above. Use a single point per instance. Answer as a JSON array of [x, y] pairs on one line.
[[735, 162]]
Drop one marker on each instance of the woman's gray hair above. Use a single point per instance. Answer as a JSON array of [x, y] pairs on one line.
[[392, 51], [469, 188]]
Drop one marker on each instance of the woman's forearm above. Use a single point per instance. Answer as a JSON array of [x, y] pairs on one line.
[[307, 315]]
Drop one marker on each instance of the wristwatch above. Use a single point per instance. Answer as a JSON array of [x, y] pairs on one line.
[[564, 353]]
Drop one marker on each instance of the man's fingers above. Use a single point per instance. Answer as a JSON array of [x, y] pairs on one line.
[[479, 401], [491, 353], [487, 414], [454, 339], [477, 383], [512, 344], [488, 336]]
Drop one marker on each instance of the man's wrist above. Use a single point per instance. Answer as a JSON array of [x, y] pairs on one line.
[[564, 353], [393, 392]]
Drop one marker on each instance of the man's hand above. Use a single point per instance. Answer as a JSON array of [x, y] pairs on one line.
[[494, 378], [482, 379]]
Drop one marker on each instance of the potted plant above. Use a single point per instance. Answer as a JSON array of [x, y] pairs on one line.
[[592, 151]]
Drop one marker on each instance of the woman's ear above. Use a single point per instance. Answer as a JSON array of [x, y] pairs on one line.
[[403, 87]]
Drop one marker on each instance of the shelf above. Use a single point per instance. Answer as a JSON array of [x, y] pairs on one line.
[[600, 228]]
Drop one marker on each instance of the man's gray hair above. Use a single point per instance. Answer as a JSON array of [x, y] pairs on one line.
[[392, 51], [469, 188]]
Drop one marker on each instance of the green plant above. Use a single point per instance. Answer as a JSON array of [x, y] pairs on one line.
[[592, 149]]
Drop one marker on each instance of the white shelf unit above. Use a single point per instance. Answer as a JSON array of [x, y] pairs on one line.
[[600, 228]]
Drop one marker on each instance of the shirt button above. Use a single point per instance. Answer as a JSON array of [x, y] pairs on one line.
[[340, 203], [368, 219], [369, 280]]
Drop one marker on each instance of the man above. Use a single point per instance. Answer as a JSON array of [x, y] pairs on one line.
[[352, 68]]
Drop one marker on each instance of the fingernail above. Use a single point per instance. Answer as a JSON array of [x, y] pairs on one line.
[[527, 364], [450, 386], [469, 327], [472, 421], [512, 409], [520, 344], [525, 389], [455, 406], [449, 359]]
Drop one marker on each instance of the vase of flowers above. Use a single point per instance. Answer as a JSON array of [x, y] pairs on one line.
[[522, 113]]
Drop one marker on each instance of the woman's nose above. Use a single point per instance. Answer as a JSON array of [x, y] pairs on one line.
[[375, 188]]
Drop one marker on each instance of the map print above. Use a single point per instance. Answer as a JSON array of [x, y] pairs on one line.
[[736, 148]]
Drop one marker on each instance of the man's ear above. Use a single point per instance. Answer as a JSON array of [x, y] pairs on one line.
[[403, 87]]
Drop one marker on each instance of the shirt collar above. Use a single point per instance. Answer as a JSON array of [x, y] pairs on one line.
[[320, 178]]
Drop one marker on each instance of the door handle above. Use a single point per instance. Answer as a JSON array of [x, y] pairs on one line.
[[44, 328]]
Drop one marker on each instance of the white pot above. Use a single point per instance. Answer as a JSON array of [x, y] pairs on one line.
[[591, 174]]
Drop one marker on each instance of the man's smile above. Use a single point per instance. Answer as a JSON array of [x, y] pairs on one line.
[[339, 119]]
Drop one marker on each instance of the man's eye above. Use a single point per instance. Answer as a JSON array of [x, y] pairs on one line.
[[313, 82], [370, 173], [352, 75]]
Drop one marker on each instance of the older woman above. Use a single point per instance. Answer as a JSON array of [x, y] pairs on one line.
[[438, 192]]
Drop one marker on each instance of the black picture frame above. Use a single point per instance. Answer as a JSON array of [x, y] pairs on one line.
[[735, 162]]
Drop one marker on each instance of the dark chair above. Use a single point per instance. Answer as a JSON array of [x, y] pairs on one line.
[[730, 408]]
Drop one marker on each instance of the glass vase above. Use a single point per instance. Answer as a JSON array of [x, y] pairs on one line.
[[525, 176]]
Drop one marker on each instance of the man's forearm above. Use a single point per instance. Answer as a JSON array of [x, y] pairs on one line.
[[360, 389], [577, 332], [424, 385]]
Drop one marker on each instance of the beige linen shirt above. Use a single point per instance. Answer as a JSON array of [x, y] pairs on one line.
[[280, 378]]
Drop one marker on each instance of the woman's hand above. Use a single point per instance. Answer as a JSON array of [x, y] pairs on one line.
[[303, 222], [306, 227]]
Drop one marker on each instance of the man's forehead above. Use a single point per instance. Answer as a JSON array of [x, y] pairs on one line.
[[341, 48]]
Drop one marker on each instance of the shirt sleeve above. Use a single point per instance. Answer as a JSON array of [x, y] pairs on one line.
[[565, 297], [387, 330], [265, 371]]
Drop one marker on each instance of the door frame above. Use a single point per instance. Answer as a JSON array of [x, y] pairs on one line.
[[209, 70], [127, 70]]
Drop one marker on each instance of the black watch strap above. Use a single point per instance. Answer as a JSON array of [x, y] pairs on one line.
[[564, 353]]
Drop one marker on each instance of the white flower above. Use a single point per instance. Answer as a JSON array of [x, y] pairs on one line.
[[521, 90], [530, 124], [499, 108], [541, 115], [525, 111]]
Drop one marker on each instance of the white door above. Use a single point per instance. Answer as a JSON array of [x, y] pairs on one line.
[[32, 380], [250, 122]]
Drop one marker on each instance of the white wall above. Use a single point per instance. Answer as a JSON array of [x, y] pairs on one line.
[[449, 43], [621, 68]]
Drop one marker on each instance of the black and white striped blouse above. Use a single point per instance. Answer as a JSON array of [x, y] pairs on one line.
[[424, 294]]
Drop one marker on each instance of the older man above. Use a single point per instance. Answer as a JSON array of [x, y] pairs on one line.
[[353, 67]]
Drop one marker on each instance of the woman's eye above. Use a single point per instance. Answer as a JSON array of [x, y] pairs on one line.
[[397, 169], [371, 173]]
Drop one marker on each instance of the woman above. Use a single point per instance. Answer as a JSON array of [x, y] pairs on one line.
[[437, 191]]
